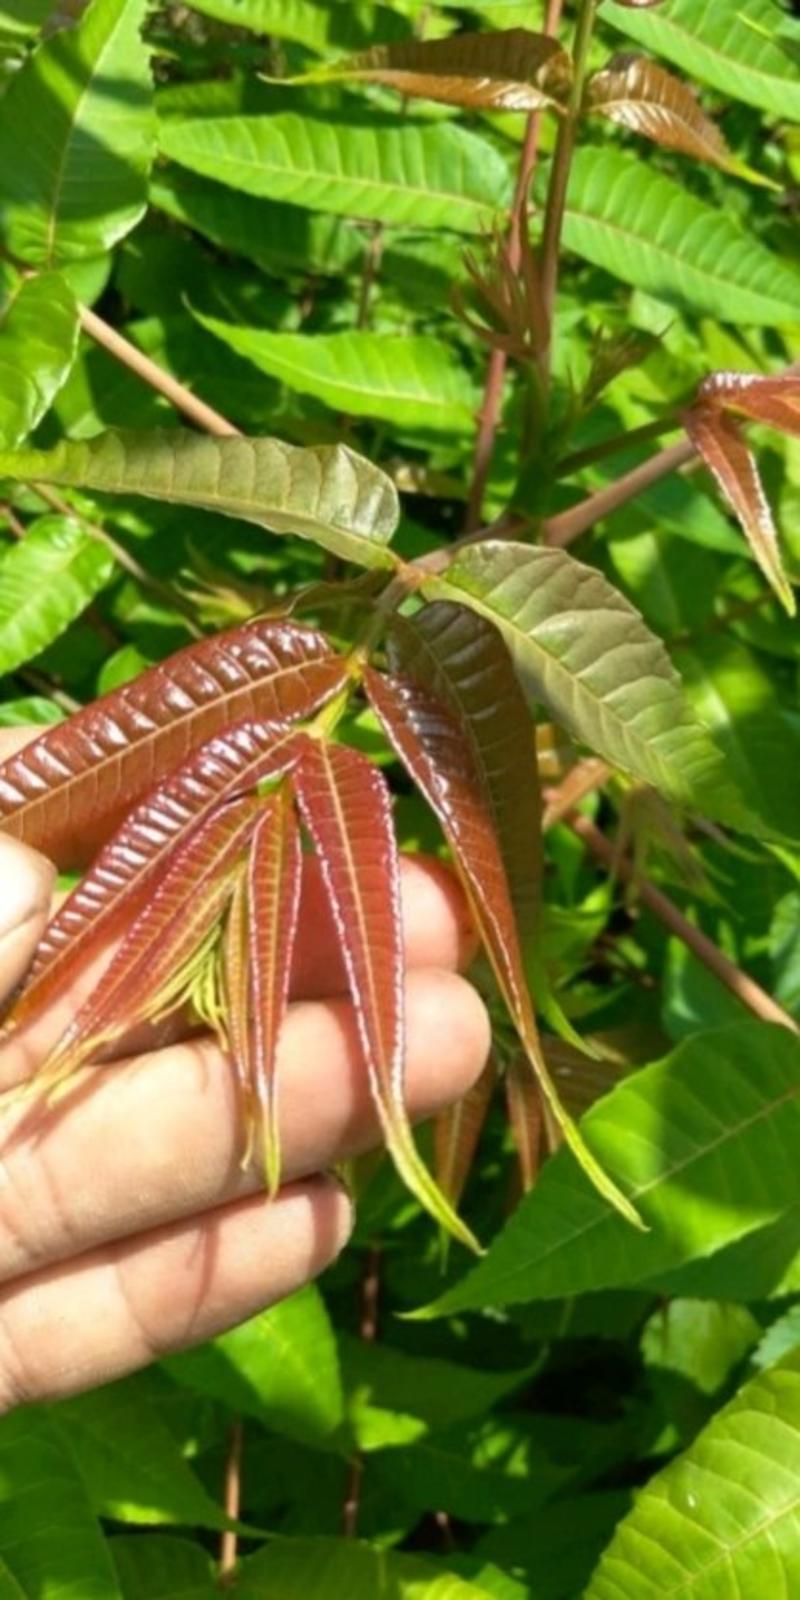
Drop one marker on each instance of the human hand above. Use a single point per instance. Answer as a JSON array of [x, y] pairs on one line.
[[127, 1225]]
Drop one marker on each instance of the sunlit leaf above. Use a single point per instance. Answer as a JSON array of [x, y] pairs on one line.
[[77, 181], [437, 176], [513, 71], [46, 581], [413, 380], [67, 791], [50, 1536], [736, 48], [346, 808], [705, 1142], [38, 342], [587, 655], [729, 1505], [720, 442], [646, 230], [313, 23], [321, 1569], [430, 744], [326, 493], [640, 95]]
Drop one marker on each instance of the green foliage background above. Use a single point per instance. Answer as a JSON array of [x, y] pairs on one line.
[[589, 1411]]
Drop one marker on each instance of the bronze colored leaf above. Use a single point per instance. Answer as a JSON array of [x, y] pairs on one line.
[[641, 95], [162, 961], [720, 442], [773, 401], [515, 70], [457, 1131], [112, 892], [525, 1115], [346, 807], [274, 873], [67, 791], [432, 748]]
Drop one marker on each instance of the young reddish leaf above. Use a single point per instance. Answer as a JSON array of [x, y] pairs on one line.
[[720, 442], [641, 95], [773, 401], [524, 1103], [234, 977], [432, 747], [67, 791], [274, 876], [113, 890], [515, 70], [346, 807], [163, 955], [457, 1131]]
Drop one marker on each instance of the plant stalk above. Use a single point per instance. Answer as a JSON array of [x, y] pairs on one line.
[[559, 176], [179, 396]]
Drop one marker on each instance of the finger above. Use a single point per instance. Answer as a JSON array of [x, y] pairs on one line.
[[437, 933], [137, 1145], [68, 1328], [26, 887]]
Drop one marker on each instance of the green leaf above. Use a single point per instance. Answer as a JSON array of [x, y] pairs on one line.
[[281, 1367], [77, 181], [326, 493], [50, 1537], [582, 650], [781, 1337], [330, 1569], [316, 24], [723, 1520], [38, 341], [426, 176], [46, 581], [704, 1142], [278, 238], [129, 1461], [643, 228], [478, 1472], [162, 1568], [413, 380], [394, 1398], [732, 44]]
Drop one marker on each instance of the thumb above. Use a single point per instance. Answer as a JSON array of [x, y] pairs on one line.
[[26, 888]]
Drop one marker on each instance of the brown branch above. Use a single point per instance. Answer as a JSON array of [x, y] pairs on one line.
[[568, 525], [489, 414], [229, 1542], [368, 1331], [179, 396], [739, 983]]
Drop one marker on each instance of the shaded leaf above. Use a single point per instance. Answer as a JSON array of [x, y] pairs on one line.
[[428, 176], [525, 1115], [38, 342], [313, 23], [705, 1142], [50, 1536], [430, 744], [394, 1398], [648, 231], [724, 1518], [162, 1567], [457, 1131], [725, 451], [640, 95], [317, 1569], [411, 379], [77, 182], [67, 791], [326, 493], [346, 808], [46, 581], [513, 71], [587, 655], [735, 48]]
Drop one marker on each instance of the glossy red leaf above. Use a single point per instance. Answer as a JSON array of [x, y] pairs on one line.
[[431, 745], [720, 442], [346, 807], [274, 875], [114, 888], [162, 958], [67, 791]]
